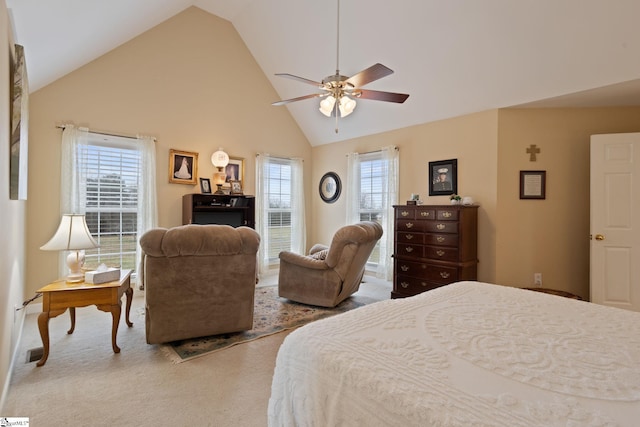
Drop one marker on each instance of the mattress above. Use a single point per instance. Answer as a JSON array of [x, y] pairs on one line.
[[466, 354]]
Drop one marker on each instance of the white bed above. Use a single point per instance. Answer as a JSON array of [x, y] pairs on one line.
[[466, 354]]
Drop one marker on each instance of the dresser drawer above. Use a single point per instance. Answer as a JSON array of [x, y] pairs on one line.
[[410, 268], [447, 214], [425, 214], [405, 213], [410, 250], [412, 238], [441, 226], [441, 274], [410, 225], [441, 253], [441, 239], [413, 286]]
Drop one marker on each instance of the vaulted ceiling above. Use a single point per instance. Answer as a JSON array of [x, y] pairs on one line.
[[453, 57]]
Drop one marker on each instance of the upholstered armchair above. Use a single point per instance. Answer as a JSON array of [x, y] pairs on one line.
[[329, 275], [199, 280]]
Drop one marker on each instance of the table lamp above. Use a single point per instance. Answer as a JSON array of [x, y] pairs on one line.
[[72, 235], [220, 160]]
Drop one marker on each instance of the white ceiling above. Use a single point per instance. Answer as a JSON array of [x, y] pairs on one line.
[[453, 57]]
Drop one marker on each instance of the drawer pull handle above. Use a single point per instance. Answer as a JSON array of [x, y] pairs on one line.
[[444, 274], [409, 225], [440, 239], [423, 284], [404, 213], [409, 236], [447, 214], [404, 267], [440, 226], [404, 284], [408, 249], [424, 213], [440, 253]]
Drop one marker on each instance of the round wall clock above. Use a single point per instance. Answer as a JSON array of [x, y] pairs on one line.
[[330, 187]]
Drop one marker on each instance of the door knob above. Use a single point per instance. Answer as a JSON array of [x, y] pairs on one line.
[[599, 237]]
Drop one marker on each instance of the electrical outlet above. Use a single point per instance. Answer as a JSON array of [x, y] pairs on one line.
[[537, 279]]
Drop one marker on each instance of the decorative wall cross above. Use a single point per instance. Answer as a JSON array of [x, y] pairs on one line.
[[532, 151]]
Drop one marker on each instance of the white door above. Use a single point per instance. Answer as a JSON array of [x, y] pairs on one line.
[[615, 220]]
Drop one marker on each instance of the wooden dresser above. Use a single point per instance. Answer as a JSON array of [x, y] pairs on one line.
[[434, 245]]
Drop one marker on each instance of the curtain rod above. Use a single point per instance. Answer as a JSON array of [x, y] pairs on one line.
[[108, 133], [374, 151], [280, 158]]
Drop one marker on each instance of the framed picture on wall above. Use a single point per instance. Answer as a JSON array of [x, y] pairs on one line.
[[183, 167], [234, 170], [533, 184], [443, 177]]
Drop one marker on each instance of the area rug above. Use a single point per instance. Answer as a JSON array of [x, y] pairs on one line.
[[271, 315]]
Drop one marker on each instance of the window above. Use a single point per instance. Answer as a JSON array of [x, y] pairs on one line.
[[373, 173], [278, 194], [373, 188], [111, 181], [280, 208]]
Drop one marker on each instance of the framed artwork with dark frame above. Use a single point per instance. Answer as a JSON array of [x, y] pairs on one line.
[[183, 167], [205, 186], [443, 177], [533, 184]]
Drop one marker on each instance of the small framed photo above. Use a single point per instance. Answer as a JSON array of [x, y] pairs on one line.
[[236, 187], [234, 170], [533, 184], [205, 186], [183, 167], [443, 177]]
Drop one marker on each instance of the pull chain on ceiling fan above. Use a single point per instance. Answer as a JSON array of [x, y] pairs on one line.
[[338, 92]]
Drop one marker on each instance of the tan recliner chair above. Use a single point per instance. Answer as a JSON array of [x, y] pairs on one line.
[[329, 275], [199, 280]]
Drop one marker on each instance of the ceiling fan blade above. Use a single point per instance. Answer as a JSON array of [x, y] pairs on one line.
[[369, 75], [300, 79], [300, 98], [377, 95]]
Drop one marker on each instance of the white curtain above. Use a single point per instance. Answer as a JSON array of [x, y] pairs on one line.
[[385, 267], [389, 157], [353, 188], [298, 227], [147, 196], [72, 194]]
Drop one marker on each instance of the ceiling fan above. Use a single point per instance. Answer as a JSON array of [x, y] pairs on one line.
[[338, 92]]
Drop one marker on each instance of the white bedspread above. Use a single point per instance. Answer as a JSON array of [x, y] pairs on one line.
[[467, 354]]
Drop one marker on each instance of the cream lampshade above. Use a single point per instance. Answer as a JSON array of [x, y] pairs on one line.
[[220, 160], [72, 235]]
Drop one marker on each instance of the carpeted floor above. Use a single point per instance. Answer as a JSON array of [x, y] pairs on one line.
[[272, 314], [85, 384]]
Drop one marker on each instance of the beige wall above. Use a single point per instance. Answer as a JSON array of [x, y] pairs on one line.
[[190, 82], [516, 238], [13, 223], [471, 139], [550, 236]]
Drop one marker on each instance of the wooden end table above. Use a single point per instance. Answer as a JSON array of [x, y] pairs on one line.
[[59, 295]]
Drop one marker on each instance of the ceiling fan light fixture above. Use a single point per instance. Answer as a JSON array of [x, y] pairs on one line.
[[346, 106], [326, 105]]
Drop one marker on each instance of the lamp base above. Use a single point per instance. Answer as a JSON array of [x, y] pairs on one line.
[[75, 262], [219, 191]]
